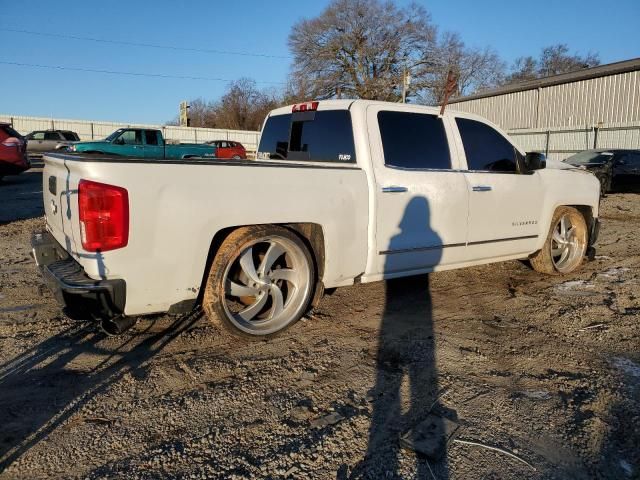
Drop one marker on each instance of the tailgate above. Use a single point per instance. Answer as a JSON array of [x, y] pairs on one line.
[[60, 196]]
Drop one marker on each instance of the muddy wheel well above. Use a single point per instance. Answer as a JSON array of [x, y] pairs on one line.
[[586, 212], [310, 233]]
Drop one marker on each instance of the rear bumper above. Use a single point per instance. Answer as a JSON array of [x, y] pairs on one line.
[[80, 295]]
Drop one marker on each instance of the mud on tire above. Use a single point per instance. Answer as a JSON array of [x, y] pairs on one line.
[[260, 282], [566, 244]]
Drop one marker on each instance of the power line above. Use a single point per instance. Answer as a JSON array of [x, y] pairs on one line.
[[146, 45], [134, 74]]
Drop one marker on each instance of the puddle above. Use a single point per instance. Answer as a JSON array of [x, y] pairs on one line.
[[613, 273], [19, 308], [626, 466], [537, 394], [575, 287], [627, 366]]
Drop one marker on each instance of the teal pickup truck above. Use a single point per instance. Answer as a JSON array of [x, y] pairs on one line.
[[143, 143]]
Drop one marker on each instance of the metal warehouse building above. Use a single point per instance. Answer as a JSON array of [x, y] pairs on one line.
[[563, 114]]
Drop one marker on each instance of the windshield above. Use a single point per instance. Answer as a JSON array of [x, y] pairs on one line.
[[114, 135], [583, 158]]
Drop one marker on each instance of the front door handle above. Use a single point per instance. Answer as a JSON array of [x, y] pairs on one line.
[[394, 189], [482, 188]]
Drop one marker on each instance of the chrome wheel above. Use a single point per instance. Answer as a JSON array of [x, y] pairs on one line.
[[567, 245], [267, 285]]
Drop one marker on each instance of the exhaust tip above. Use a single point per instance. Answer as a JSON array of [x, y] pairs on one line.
[[118, 325]]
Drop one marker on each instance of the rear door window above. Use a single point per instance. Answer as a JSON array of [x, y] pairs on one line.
[[324, 136], [414, 141], [70, 136], [485, 148], [51, 136], [151, 137], [38, 136]]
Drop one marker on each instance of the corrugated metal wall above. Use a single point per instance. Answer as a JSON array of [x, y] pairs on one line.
[[609, 99], [89, 130]]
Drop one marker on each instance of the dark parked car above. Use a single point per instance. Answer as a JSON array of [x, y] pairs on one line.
[[42, 141], [13, 151], [617, 169], [229, 149]]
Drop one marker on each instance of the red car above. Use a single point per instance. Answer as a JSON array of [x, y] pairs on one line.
[[229, 149], [13, 151]]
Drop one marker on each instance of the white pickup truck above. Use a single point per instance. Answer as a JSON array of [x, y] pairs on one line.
[[342, 192]]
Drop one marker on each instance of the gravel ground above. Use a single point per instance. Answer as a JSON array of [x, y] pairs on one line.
[[544, 368]]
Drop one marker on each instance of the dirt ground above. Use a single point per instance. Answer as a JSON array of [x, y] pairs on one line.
[[544, 368]]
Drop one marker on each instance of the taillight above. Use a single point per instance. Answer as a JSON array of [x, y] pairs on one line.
[[12, 142], [305, 107], [104, 216]]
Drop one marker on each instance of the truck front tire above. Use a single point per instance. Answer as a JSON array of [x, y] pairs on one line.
[[261, 281], [566, 244]]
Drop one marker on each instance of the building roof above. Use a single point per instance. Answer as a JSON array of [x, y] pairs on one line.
[[585, 74]]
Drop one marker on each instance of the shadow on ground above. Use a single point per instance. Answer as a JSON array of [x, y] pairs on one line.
[[46, 371]]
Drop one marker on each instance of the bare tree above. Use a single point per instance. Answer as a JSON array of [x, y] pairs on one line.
[[242, 107], [553, 60], [475, 69], [361, 48], [556, 59], [523, 69], [202, 113]]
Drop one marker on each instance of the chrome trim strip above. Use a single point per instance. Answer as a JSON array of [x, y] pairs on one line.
[[420, 249], [524, 237], [436, 247]]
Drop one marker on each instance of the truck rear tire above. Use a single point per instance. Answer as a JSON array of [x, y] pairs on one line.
[[566, 243], [260, 282]]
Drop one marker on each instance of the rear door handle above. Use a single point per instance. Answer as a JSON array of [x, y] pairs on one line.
[[394, 189], [482, 188]]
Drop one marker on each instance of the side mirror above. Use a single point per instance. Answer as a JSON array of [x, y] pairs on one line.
[[535, 161]]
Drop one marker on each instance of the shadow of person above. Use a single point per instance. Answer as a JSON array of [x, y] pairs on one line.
[[406, 391], [41, 389]]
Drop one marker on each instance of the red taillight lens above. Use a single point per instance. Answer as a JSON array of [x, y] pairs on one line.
[[305, 107], [13, 142], [104, 216]]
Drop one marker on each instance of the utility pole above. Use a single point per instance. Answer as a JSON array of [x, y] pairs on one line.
[[185, 121], [406, 81]]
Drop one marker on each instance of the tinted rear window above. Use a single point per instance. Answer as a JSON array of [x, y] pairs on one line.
[[324, 136], [10, 131], [51, 136], [414, 140], [70, 136]]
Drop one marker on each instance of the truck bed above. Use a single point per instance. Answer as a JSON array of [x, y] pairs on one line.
[[176, 207]]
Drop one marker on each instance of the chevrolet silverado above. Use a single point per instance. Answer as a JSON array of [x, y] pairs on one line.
[[342, 192]]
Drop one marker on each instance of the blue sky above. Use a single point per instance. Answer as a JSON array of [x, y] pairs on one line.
[[513, 29]]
